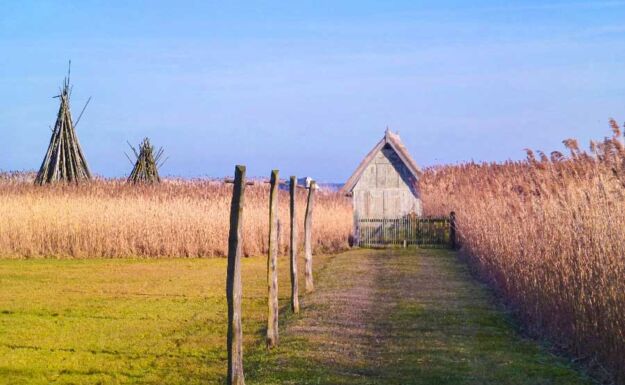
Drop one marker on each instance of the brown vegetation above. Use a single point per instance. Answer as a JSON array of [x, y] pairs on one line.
[[108, 218], [547, 233]]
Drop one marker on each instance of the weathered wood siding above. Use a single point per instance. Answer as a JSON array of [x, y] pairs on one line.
[[386, 188]]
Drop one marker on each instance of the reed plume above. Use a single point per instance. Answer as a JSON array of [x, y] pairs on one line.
[[548, 237]]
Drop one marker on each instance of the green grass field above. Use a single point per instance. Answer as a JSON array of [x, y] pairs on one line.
[[123, 321], [377, 317]]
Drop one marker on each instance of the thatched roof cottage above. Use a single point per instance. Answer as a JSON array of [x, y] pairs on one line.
[[385, 183]]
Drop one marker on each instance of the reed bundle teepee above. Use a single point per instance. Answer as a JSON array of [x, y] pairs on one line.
[[64, 161], [146, 166]]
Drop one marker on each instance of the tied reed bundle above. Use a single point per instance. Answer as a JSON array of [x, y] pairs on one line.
[[64, 161], [146, 165]]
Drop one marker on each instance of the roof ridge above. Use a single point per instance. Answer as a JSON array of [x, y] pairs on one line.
[[397, 145]]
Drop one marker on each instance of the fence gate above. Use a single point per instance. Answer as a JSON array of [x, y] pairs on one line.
[[409, 231]]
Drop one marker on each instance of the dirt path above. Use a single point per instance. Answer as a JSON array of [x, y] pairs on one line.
[[396, 317]]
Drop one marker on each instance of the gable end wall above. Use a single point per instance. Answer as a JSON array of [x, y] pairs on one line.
[[386, 188]]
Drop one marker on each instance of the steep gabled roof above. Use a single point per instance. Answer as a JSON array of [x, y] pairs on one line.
[[396, 144]]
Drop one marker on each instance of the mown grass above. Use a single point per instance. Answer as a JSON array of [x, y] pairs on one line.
[[377, 317], [426, 321], [124, 321], [462, 336]]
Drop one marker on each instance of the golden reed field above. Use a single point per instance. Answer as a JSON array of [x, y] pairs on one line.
[[178, 218], [548, 234]]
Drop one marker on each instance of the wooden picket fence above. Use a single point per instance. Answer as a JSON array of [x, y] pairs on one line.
[[406, 231]]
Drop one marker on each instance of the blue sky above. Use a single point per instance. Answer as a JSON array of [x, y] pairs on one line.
[[308, 87]]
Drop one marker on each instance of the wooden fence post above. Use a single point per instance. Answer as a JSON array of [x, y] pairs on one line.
[[279, 227], [272, 263], [233, 281], [293, 247], [452, 230], [308, 274]]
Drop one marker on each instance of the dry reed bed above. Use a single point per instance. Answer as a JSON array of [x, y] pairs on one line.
[[547, 233], [108, 218]]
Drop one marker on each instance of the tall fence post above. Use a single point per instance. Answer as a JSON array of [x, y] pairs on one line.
[[293, 247], [233, 281], [272, 263], [279, 237], [308, 274], [452, 230]]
